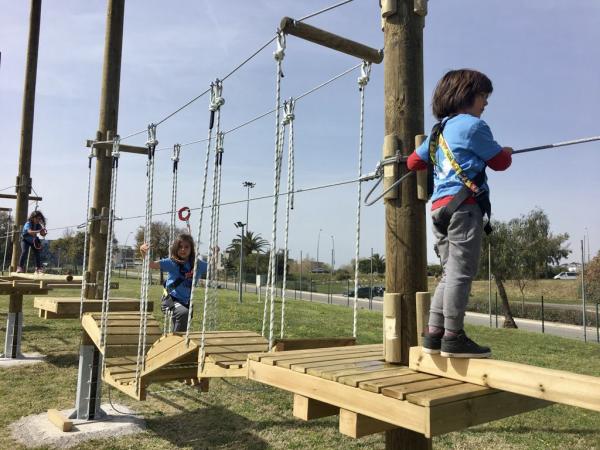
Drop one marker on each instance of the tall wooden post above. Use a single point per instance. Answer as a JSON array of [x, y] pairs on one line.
[[405, 240], [109, 114], [89, 390], [12, 346]]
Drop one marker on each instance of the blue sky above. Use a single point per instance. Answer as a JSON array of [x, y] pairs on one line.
[[541, 55]]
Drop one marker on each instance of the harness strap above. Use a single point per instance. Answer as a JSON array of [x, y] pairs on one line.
[[469, 189]]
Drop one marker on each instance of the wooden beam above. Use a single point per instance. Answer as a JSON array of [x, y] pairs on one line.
[[308, 343], [330, 40], [307, 408], [356, 425], [13, 196], [546, 384], [45, 276], [122, 147], [423, 304], [61, 422]]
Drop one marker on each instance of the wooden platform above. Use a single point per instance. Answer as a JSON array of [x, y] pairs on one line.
[[68, 307], [168, 358], [372, 396]]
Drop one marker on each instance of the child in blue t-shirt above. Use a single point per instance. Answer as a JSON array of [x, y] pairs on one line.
[[179, 268], [464, 148], [35, 225]]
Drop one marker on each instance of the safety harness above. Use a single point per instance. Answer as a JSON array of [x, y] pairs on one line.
[[470, 187]]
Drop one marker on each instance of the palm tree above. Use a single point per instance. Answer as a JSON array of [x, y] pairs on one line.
[[252, 243]]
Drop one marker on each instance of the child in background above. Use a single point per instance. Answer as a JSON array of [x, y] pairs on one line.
[[460, 147], [180, 271], [36, 224]]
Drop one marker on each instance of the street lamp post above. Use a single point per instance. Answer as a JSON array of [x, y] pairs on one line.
[[332, 266], [241, 225], [318, 242], [248, 185]]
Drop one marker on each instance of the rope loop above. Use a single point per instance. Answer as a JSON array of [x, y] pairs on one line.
[[216, 95], [365, 74], [176, 153], [219, 148], [279, 54], [151, 142], [115, 151], [288, 111]]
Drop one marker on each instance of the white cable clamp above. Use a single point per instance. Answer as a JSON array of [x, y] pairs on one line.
[[279, 54], [176, 152], [288, 111], [115, 147], [365, 74], [219, 142], [152, 142], [216, 98]]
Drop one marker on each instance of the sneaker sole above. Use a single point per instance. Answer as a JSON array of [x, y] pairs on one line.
[[430, 351], [466, 355]]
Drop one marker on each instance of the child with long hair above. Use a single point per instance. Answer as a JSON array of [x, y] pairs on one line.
[[459, 148], [179, 268], [35, 225]]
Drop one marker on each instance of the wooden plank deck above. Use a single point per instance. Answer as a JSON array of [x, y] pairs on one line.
[[68, 307], [545, 384], [374, 396], [170, 357]]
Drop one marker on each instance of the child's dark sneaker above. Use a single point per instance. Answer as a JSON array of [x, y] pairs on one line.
[[460, 346], [20, 270], [432, 340], [432, 343]]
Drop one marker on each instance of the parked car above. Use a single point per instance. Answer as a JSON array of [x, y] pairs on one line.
[[566, 276], [363, 292]]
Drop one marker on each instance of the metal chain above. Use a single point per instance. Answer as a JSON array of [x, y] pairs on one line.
[[140, 362], [109, 240], [288, 120], [279, 54], [363, 80], [86, 233]]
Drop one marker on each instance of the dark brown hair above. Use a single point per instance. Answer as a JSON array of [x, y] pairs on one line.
[[39, 215], [175, 247], [457, 90]]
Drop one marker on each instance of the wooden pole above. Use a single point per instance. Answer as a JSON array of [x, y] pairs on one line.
[[330, 40], [405, 240], [109, 113], [23, 183]]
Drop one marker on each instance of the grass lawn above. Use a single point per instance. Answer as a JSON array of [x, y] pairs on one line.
[[240, 414]]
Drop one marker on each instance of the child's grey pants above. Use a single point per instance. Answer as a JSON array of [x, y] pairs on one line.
[[459, 251], [180, 317]]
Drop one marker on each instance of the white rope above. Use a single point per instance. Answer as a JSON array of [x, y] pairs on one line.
[[279, 54], [209, 311], [219, 153], [109, 241], [140, 362], [288, 120], [167, 322], [363, 80], [86, 234], [9, 230]]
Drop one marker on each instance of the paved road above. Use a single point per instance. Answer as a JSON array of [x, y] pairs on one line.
[[553, 328]]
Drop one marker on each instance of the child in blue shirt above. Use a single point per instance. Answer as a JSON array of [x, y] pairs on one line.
[[35, 225], [179, 268], [463, 148]]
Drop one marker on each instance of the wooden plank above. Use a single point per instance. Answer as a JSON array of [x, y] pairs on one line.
[[212, 370], [60, 421], [402, 414], [169, 357], [400, 391], [280, 357], [122, 350], [45, 277], [355, 380], [312, 343], [249, 348], [474, 411], [326, 359], [335, 370], [357, 425], [308, 409], [303, 367], [318, 351], [378, 384], [448, 394], [546, 384]]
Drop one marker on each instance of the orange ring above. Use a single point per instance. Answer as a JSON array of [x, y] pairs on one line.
[[182, 211]]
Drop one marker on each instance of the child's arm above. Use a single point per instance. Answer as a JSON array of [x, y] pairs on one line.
[[502, 160], [414, 162], [143, 249]]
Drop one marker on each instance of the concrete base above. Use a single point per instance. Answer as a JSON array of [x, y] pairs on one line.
[[38, 431], [22, 360]]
